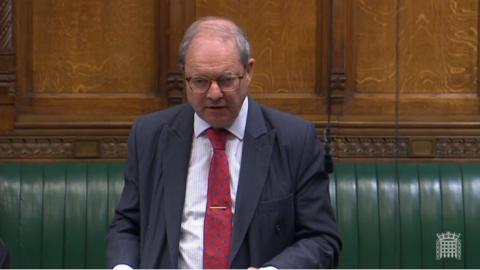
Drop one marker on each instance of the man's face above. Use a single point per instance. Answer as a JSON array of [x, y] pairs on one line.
[[212, 57]]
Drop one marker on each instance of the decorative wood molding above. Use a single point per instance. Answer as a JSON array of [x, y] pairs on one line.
[[434, 124], [468, 147], [7, 66], [63, 148], [346, 147], [337, 91], [337, 82], [343, 147], [36, 148], [6, 26], [7, 86], [175, 88], [324, 46], [338, 53], [369, 147], [178, 15], [114, 147]]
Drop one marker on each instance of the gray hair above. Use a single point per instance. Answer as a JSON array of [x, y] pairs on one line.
[[228, 30]]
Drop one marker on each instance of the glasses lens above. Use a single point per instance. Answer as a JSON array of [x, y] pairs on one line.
[[199, 84], [227, 82]]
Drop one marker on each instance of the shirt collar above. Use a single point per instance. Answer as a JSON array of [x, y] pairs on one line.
[[237, 128]]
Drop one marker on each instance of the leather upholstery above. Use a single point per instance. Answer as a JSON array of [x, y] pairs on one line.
[[56, 215]]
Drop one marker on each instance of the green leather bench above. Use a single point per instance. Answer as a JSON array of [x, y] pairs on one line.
[[56, 215]]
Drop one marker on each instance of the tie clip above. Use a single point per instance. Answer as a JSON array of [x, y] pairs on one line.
[[218, 207]]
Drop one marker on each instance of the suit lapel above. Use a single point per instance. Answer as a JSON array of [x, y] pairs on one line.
[[257, 149], [175, 167]]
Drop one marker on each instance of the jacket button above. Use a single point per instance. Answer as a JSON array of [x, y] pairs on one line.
[[277, 228]]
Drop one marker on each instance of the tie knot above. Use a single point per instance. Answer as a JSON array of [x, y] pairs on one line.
[[217, 137]]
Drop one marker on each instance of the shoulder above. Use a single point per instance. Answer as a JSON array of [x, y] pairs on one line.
[[296, 138], [148, 130], [158, 120], [148, 127], [293, 134]]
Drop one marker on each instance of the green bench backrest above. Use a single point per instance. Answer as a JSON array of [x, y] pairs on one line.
[[56, 215], [392, 222]]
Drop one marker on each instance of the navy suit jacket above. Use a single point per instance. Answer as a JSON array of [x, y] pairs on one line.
[[283, 216], [4, 256]]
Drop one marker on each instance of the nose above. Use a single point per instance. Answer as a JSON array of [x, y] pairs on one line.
[[214, 92]]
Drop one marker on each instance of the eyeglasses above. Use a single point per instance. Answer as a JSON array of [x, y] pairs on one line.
[[226, 82]]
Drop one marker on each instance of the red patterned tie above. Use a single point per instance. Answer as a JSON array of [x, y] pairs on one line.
[[217, 231]]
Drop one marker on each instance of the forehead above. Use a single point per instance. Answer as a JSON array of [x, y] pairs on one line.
[[212, 52]]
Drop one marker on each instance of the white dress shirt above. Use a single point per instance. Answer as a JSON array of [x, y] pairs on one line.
[[191, 232]]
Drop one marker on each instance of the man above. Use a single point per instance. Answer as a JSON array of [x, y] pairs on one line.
[[190, 201], [4, 256]]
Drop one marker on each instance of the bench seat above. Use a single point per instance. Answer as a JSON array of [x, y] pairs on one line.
[[55, 215]]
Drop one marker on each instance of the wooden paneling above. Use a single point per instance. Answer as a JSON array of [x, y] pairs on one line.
[[94, 47], [402, 75], [87, 61], [283, 38], [177, 16], [374, 34], [438, 46], [337, 39], [424, 52], [7, 66]]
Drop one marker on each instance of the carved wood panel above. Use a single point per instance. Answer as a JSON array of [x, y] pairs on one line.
[[7, 66], [438, 46], [75, 75], [94, 47], [374, 34], [285, 38], [343, 147], [426, 52], [87, 62], [6, 27]]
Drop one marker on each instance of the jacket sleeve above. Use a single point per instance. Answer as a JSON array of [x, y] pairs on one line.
[[124, 231], [317, 243]]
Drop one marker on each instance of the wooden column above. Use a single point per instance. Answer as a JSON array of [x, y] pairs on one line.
[[340, 12], [7, 66], [179, 15]]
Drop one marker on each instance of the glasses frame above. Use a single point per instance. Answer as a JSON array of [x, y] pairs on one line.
[[210, 80]]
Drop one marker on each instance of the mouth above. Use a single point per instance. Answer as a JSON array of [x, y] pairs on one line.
[[215, 108]]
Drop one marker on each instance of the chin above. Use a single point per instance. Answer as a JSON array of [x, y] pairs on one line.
[[216, 123], [219, 125]]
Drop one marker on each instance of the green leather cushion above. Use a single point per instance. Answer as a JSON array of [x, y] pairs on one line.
[[56, 215]]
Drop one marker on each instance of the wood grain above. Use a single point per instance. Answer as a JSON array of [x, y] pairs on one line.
[[283, 37], [374, 36], [7, 67], [6, 22], [438, 46], [437, 43], [90, 46], [85, 69]]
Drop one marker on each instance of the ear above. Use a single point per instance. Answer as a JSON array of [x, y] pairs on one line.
[[249, 69]]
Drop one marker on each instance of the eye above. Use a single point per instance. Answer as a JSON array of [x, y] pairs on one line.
[[199, 82], [227, 81]]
